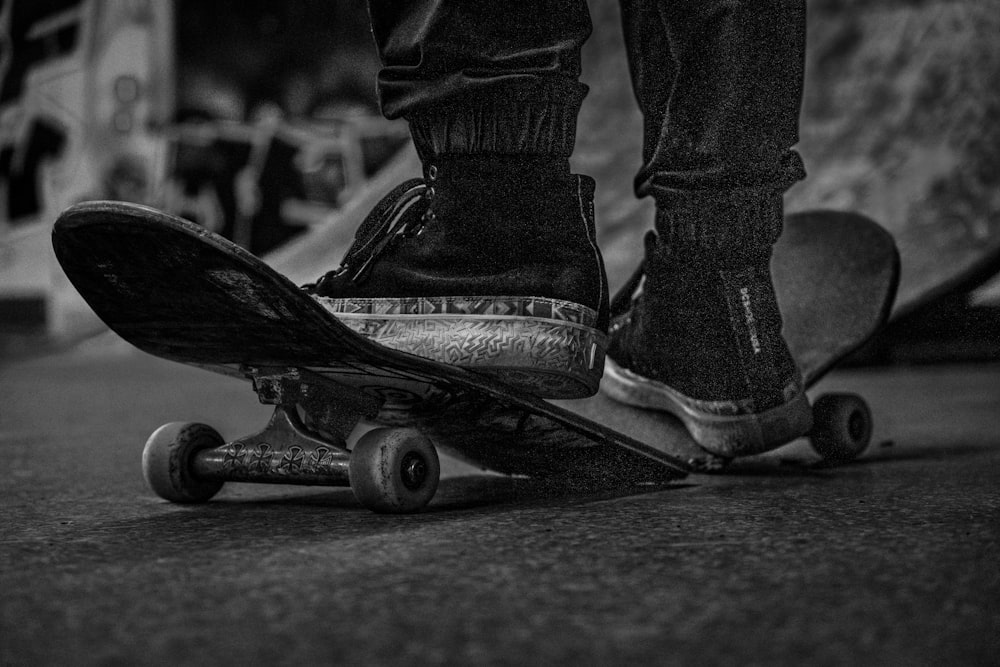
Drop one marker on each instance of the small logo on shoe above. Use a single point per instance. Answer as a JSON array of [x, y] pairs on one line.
[[751, 320]]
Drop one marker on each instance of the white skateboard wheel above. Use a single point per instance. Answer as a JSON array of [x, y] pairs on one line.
[[394, 470], [167, 459]]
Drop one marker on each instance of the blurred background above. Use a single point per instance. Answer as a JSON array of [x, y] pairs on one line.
[[259, 120]]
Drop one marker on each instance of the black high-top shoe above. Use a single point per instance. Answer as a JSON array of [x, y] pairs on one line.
[[700, 337], [489, 263]]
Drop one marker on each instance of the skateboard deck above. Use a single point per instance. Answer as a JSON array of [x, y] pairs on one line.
[[175, 290], [835, 275]]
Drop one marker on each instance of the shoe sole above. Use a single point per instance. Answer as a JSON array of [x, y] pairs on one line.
[[551, 358], [728, 436]]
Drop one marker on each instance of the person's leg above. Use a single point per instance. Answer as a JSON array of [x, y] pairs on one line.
[[474, 76], [719, 84], [495, 266]]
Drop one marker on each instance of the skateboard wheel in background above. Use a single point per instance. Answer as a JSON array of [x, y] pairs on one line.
[[167, 458], [394, 470], [842, 426]]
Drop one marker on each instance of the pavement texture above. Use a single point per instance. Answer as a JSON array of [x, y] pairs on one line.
[[894, 559]]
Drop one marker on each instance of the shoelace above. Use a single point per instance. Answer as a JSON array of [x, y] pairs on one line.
[[381, 229]]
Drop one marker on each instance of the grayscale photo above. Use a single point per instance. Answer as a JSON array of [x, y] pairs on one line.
[[467, 332]]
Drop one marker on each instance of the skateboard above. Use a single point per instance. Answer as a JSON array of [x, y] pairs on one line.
[[180, 292], [177, 291], [835, 276]]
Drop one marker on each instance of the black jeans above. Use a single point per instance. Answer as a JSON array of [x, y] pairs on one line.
[[719, 83]]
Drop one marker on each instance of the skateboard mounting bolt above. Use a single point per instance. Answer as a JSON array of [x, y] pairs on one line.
[[414, 470]]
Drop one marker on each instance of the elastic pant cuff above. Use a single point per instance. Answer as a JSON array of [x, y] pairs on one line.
[[725, 222], [496, 127]]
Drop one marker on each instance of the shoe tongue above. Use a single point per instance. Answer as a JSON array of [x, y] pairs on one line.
[[378, 222], [622, 300], [649, 242]]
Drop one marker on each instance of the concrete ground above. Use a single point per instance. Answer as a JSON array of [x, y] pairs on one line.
[[891, 560]]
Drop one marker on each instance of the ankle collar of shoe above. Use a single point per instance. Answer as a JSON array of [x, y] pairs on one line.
[[494, 167], [730, 223], [700, 256]]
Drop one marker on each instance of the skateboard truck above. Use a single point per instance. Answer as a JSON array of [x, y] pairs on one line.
[[389, 469]]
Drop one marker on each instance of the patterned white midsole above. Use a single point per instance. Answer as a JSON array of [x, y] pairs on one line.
[[555, 358], [500, 306]]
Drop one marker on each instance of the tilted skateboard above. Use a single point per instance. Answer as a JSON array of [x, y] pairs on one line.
[[177, 291], [835, 275]]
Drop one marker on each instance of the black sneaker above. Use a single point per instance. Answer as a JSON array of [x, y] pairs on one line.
[[700, 337], [487, 263]]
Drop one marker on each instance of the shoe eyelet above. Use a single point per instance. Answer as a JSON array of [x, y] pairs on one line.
[[432, 172], [429, 194]]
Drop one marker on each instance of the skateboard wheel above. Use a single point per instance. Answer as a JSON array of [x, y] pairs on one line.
[[842, 426], [394, 470], [167, 457]]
